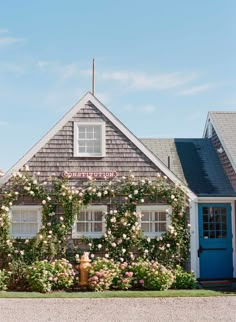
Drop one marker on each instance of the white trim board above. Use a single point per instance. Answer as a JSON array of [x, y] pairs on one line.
[[68, 116]]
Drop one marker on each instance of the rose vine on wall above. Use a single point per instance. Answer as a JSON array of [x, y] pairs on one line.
[[123, 238]]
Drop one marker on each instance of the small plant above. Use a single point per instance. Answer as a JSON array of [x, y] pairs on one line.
[[44, 276], [184, 280], [151, 275], [4, 278], [102, 273], [124, 278], [63, 274], [40, 276]]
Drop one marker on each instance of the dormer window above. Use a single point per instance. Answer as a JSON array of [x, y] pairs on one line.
[[89, 139]]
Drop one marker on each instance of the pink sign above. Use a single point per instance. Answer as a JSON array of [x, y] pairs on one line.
[[86, 174]]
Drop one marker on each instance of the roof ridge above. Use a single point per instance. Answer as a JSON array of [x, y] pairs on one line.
[[222, 112]]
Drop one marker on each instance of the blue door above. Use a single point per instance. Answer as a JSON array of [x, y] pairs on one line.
[[215, 241]]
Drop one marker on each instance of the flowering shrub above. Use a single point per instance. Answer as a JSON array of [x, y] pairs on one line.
[[44, 276], [184, 280], [40, 276], [63, 274], [124, 279], [4, 278], [106, 274], [102, 273], [151, 275]]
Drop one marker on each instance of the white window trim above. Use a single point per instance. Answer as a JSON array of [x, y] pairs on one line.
[[37, 209], [92, 208], [161, 208], [103, 139]]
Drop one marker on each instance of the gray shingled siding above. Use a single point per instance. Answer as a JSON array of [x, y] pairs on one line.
[[224, 159], [225, 123], [121, 154]]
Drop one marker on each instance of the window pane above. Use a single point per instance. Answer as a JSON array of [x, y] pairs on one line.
[[16, 217], [90, 135], [145, 227], [97, 216], [82, 227], [97, 227], [97, 149], [162, 216], [83, 216], [162, 227], [16, 229], [146, 216], [81, 149]]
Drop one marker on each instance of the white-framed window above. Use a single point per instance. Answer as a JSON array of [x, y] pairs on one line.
[[25, 221], [89, 139], [90, 222], [155, 219]]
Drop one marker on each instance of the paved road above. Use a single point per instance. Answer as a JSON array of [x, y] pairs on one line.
[[138, 309]]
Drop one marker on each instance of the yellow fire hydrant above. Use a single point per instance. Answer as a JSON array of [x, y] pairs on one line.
[[84, 268]]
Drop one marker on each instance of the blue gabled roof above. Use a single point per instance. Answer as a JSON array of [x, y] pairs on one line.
[[202, 168]]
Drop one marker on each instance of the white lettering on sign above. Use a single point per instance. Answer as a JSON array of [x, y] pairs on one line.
[[84, 174]]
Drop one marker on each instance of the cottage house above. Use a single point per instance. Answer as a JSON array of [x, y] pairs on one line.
[[90, 141]]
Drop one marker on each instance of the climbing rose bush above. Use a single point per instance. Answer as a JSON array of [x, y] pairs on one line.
[[122, 242]]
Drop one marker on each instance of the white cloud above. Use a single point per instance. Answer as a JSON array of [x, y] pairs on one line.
[[64, 71], [146, 108], [196, 89], [4, 41], [104, 97], [3, 30], [3, 123], [11, 68], [144, 81]]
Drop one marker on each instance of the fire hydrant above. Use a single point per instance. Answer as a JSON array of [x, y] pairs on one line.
[[84, 268]]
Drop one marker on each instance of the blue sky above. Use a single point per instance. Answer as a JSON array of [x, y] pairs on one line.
[[160, 65]]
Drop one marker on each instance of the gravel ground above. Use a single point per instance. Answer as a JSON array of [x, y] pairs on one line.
[[123, 309]]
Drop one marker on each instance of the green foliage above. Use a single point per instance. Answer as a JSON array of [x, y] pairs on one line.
[[151, 275], [122, 242], [40, 276], [44, 276], [4, 278], [184, 280], [106, 274], [17, 270], [63, 274], [102, 273]]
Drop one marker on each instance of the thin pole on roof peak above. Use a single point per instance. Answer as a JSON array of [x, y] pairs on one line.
[[93, 77]]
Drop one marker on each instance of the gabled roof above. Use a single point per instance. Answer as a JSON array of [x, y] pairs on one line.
[[224, 124], [164, 148], [91, 98], [196, 162], [202, 168]]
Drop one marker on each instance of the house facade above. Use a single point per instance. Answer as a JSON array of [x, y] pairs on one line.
[[90, 141]]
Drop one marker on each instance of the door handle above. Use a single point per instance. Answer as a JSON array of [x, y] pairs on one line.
[[200, 250]]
